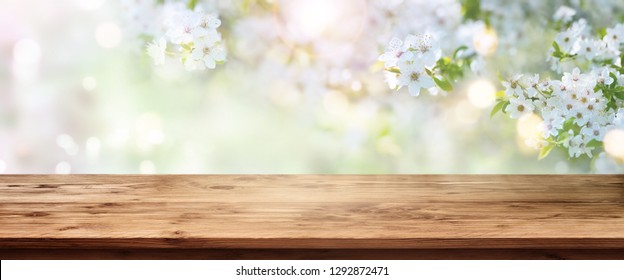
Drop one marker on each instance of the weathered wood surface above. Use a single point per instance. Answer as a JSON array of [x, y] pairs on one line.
[[319, 216]]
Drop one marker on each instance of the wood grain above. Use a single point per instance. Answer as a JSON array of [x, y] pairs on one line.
[[535, 216], [317, 254]]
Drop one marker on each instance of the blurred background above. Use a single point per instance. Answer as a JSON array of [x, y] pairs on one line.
[[301, 92]]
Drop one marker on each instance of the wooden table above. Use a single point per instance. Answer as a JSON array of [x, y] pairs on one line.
[[312, 217]]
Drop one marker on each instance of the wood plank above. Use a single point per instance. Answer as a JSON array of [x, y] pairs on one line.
[[316, 254], [113, 213]]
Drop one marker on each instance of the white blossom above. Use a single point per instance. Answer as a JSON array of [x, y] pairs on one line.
[[192, 35], [552, 123], [156, 50], [577, 146], [519, 106], [512, 87], [408, 62], [182, 24], [414, 77], [564, 14], [567, 41], [394, 50], [204, 56], [588, 48], [530, 83], [615, 36], [603, 76]]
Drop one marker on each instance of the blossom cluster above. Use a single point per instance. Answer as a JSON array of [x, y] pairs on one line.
[[577, 43], [443, 16], [185, 32], [453, 36], [417, 63], [585, 103], [410, 62]]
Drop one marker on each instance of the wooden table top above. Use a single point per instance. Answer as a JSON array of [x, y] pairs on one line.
[[312, 211]]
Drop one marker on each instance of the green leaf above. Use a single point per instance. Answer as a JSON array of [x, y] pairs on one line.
[[458, 50], [563, 137], [443, 84], [505, 106], [443, 62], [544, 151], [619, 94], [568, 124], [471, 9], [594, 144], [187, 47], [486, 18], [602, 32], [498, 107], [556, 47], [557, 53], [393, 70], [615, 78], [191, 4]]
